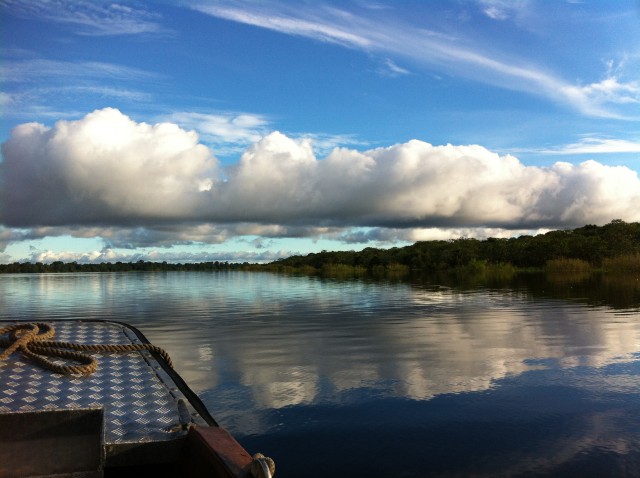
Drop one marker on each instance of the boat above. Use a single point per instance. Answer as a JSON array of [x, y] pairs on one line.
[[93, 398]]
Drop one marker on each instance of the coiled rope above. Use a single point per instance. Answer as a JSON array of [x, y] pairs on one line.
[[262, 466], [32, 340]]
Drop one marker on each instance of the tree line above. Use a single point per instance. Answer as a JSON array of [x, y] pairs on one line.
[[140, 266], [592, 245]]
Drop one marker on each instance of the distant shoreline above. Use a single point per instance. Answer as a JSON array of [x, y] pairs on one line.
[[612, 247]]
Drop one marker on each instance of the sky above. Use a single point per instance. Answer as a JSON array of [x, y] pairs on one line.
[[246, 131]]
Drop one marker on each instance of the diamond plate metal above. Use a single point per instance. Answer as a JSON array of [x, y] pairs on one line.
[[139, 399]]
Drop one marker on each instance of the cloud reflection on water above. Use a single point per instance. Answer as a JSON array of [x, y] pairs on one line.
[[410, 343], [301, 340], [483, 382]]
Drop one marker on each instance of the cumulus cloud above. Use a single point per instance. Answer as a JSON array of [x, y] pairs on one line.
[[417, 184], [387, 235], [8, 235], [168, 235], [163, 186], [104, 169]]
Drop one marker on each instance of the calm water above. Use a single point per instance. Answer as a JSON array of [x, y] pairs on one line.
[[388, 379]]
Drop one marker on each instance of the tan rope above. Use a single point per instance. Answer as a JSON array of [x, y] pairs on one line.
[[32, 340], [262, 466]]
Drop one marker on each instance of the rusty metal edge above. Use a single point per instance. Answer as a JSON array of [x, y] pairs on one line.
[[212, 451]]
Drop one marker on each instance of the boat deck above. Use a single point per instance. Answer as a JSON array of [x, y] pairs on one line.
[[145, 409]]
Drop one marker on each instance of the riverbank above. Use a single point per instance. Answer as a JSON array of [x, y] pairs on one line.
[[614, 247]]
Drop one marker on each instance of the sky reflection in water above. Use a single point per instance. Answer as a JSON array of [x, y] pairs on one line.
[[392, 379]]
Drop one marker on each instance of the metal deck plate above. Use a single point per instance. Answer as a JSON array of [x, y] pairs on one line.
[[141, 402]]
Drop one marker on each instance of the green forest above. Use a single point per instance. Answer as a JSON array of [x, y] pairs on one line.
[[614, 246]]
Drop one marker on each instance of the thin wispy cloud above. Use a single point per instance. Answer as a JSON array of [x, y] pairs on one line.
[[87, 17], [42, 88], [503, 9], [597, 146], [109, 92], [95, 91], [323, 143], [5, 98], [29, 110], [452, 55], [29, 70], [600, 98], [229, 132], [390, 68], [611, 90], [226, 132], [316, 28]]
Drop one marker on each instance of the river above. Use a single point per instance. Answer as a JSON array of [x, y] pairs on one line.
[[537, 376]]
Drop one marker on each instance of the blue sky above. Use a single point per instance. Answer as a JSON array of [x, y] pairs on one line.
[[247, 131]]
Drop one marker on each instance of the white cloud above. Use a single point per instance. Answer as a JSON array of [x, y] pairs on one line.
[[595, 99], [431, 234], [101, 91], [40, 111], [285, 23], [495, 13], [503, 9], [69, 83], [5, 99], [102, 169], [324, 143], [597, 146], [153, 255], [161, 186], [610, 89], [390, 68], [26, 71], [460, 56], [26, 102], [90, 18], [227, 132], [383, 236]]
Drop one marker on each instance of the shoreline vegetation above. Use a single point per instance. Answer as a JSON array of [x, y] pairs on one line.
[[614, 247]]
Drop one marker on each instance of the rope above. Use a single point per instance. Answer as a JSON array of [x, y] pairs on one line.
[[32, 340], [262, 466]]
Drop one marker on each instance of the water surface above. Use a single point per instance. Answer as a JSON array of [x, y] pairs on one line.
[[381, 378]]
